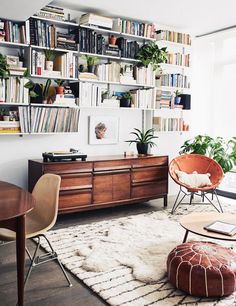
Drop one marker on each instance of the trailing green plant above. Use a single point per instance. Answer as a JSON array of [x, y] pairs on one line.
[[126, 95], [143, 137], [151, 54], [45, 88], [222, 151], [49, 55], [4, 67], [91, 60], [59, 82]]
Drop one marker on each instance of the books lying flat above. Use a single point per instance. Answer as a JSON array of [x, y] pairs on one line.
[[220, 227]]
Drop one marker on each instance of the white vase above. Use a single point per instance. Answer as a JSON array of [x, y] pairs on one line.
[[49, 65]]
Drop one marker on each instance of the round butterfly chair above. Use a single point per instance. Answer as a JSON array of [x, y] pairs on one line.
[[190, 163]]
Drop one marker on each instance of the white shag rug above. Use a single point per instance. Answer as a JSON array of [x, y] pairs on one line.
[[124, 260]]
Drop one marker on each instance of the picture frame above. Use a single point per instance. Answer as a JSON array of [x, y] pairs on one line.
[[103, 130]]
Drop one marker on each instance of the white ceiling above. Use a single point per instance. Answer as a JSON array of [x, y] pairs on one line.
[[196, 17]]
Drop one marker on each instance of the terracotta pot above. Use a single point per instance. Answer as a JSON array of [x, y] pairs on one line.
[[112, 40], [60, 90], [142, 148]]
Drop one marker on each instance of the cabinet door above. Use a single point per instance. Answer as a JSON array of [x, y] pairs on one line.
[[102, 188], [121, 186]]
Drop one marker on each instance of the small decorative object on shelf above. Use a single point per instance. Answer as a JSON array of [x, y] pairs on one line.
[[60, 87], [125, 100], [177, 97], [49, 56], [91, 62], [143, 140]]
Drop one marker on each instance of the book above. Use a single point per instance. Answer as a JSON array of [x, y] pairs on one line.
[[221, 227]]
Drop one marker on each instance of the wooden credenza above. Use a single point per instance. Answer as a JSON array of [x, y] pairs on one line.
[[105, 180]]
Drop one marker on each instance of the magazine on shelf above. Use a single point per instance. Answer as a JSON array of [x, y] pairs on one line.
[[221, 228]]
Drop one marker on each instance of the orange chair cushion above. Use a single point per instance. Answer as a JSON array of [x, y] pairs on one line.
[[203, 269]]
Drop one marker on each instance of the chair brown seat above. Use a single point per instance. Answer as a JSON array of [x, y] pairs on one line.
[[201, 164], [41, 219]]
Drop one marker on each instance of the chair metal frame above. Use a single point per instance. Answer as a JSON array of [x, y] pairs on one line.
[[37, 260], [203, 195]]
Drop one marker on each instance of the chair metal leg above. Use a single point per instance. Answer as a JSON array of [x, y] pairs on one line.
[[32, 264], [176, 200], [215, 193], [176, 204], [59, 262], [191, 198]]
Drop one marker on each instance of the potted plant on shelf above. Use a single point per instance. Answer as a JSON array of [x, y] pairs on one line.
[[177, 97], [49, 57], [222, 151], [151, 54], [60, 87], [39, 93], [4, 67], [91, 62], [125, 100], [143, 140]]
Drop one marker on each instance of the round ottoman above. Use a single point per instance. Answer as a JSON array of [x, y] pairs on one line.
[[203, 269]]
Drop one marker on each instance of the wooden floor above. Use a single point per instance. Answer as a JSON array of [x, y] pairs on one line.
[[47, 285]]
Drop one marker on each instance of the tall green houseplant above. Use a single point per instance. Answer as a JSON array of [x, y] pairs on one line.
[[4, 67], [151, 54], [222, 151]]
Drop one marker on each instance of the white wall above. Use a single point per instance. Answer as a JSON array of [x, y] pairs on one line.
[[15, 151]]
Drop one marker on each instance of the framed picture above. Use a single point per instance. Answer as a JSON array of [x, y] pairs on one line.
[[103, 130]]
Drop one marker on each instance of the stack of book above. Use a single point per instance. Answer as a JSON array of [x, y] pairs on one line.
[[96, 20], [109, 72], [91, 94], [143, 98], [24, 119], [54, 119], [145, 75], [87, 76], [9, 127], [91, 42], [64, 100], [65, 65], [178, 59], [128, 49], [112, 50], [52, 12], [172, 36], [12, 90], [66, 41], [175, 80], [168, 124], [134, 27], [13, 32]]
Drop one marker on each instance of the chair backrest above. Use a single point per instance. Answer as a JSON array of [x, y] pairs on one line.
[[46, 194], [196, 162]]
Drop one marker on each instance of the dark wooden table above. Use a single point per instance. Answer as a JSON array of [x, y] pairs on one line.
[[14, 204]]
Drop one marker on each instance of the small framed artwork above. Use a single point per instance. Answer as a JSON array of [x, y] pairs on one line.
[[12, 61], [103, 130]]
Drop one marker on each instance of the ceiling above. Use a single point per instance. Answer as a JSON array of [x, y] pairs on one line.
[[200, 17]]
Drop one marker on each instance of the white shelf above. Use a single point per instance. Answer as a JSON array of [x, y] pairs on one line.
[[117, 108], [52, 77], [52, 133], [13, 134], [52, 105], [171, 88], [9, 44], [167, 43], [109, 57], [174, 67], [116, 83], [117, 33], [54, 49], [13, 104], [55, 21], [170, 132]]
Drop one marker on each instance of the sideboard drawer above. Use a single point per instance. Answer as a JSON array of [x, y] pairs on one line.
[[76, 180], [150, 162], [148, 174], [69, 199], [111, 165], [60, 168], [149, 190]]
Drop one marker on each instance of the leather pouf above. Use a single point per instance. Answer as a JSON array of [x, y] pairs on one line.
[[203, 269]]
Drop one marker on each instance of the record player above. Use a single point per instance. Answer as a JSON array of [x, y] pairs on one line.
[[56, 156]]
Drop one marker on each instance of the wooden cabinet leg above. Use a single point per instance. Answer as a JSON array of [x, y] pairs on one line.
[[20, 257], [165, 200]]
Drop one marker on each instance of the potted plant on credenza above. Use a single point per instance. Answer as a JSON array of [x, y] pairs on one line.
[[143, 140]]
